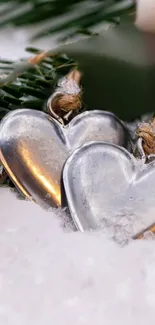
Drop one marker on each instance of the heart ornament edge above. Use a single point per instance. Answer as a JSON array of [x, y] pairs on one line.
[[132, 169], [69, 136]]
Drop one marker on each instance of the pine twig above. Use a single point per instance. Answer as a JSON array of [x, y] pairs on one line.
[[21, 67]]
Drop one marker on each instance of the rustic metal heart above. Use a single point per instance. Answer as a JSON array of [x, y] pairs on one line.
[[34, 147], [106, 187]]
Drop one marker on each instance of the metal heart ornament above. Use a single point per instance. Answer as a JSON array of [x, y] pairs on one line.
[[34, 148], [106, 187]]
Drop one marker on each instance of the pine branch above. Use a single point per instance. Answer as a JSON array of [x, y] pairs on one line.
[[29, 83], [67, 16]]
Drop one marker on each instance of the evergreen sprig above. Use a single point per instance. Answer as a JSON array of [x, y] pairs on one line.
[[28, 85], [67, 16]]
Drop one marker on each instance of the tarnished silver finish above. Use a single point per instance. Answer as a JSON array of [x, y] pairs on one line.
[[106, 187], [34, 147]]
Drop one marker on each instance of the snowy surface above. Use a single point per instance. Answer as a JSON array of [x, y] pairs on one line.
[[51, 275]]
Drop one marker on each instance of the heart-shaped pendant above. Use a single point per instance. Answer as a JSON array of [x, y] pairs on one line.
[[106, 187], [34, 147]]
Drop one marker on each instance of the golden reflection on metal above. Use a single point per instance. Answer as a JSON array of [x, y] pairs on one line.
[[50, 187], [14, 178], [142, 234], [44, 182], [34, 148]]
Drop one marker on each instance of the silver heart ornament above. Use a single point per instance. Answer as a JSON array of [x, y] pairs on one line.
[[106, 187], [34, 148]]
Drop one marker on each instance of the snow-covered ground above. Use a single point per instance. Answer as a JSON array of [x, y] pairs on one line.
[[51, 275]]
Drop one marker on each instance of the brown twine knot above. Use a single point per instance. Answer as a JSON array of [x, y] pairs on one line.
[[66, 103], [65, 106], [146, 131]]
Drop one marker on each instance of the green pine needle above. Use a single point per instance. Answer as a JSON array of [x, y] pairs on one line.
[[67, 16], [25, 85]]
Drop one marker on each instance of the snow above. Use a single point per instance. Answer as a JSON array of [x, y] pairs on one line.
[[52, 275]]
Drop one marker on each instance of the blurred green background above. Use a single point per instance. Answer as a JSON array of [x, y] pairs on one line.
[[115, 58]]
